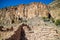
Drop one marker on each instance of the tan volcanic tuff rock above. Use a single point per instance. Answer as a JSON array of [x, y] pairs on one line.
[[55, 9], [40, 30], [33, 10], [55, 13], [10, 34], [20, 11], [16, 14], [24, 22]]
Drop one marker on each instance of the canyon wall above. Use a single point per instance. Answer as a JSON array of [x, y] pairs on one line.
[[22, 17]]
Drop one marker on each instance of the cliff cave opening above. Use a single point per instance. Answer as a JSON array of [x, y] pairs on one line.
[[12, 21], [1, 28], [49, 15]]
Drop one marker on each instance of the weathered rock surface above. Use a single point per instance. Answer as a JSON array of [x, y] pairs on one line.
[[55, 9], [25, 22], [11, 35], [16, 14]]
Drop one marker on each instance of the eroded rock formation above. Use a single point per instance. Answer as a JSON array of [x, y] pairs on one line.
[[26, 22], [14, 14]]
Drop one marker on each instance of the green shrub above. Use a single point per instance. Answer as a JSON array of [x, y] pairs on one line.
[[46, 19], [57, 22], [52, 19]]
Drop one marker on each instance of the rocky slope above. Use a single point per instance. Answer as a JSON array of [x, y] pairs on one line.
[[27, 22], [55, 9]]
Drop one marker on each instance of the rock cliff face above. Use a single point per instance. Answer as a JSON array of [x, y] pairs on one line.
[[27, 22], [15, 14], [33, 10], [55, 9]]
